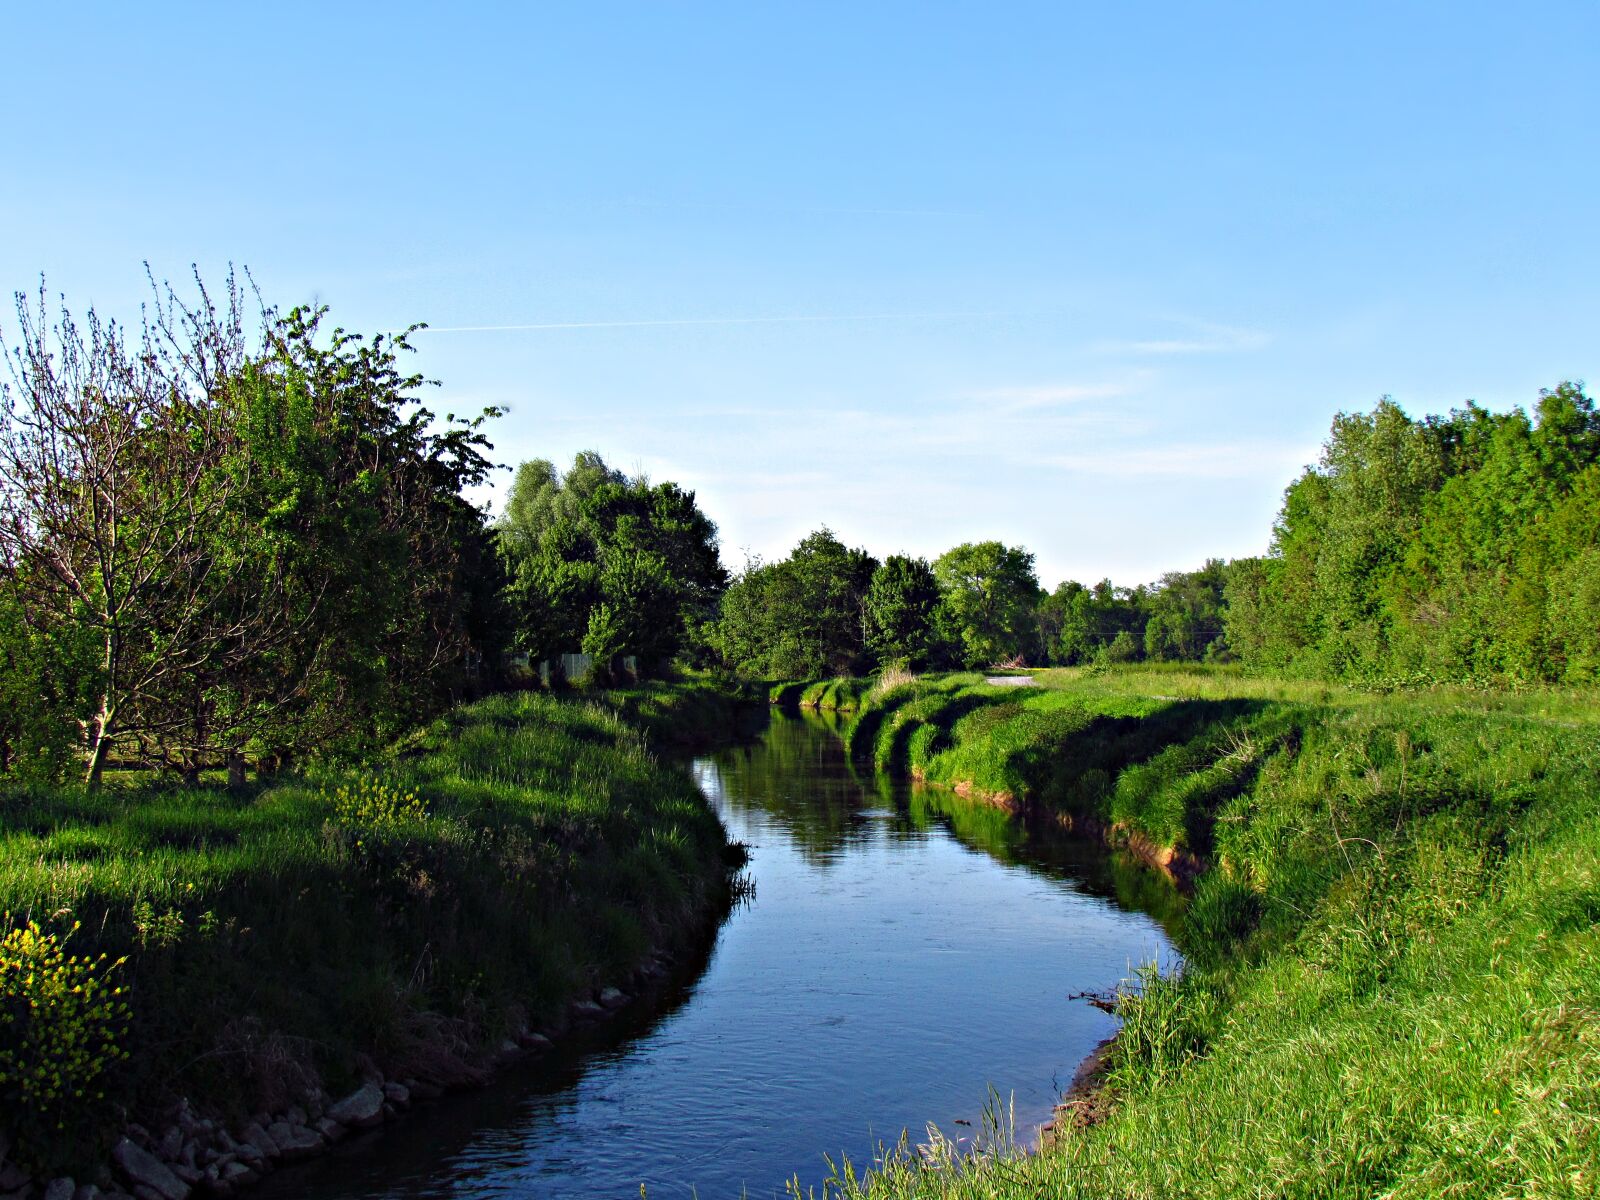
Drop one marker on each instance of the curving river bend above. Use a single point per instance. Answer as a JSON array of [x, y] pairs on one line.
[[905, 951]]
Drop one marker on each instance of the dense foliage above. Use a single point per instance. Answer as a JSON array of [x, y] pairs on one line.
[[803, 616], [826, 610], [608, 566], [1179, 618], [989, 596], [1458, 547], [903, 614], [211, 549]]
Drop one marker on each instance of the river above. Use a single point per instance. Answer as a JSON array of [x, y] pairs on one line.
[[905, 952]]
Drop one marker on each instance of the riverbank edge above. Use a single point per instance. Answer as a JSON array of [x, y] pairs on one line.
[[1410, 781], [1086, 1099], [849, 696], [194, 1149], [1180, 866]]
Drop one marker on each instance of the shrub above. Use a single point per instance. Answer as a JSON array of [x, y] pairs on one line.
[[62, 1023], [374, 805]]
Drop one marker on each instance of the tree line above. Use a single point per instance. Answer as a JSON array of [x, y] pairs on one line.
[[1458, 547], [220, 547], [830, 610]]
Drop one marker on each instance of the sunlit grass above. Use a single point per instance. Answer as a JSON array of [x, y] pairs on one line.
[[1393, 981], [517, 851]]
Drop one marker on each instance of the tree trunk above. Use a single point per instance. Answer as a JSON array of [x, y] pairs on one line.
[[236, 779], [100, 749], [104, 722]]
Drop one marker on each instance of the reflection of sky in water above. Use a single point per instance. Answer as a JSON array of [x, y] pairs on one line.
[[884, 976]]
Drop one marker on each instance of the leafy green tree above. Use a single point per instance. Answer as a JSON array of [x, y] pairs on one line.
[[374, 583], [1442, 548], [43, 673], [610, 565], [803, 617], [1088, 619], [1574, 627], [990, 593], [1250, 615], [1184, 614], [1124, 648], [902, 613], [266, 546], [542, 499]]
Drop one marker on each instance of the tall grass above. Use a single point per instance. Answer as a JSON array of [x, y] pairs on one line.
[[286, 935], [1393, 977]]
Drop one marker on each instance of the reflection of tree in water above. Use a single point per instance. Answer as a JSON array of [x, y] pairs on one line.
[[1039, 845], [799, 777]]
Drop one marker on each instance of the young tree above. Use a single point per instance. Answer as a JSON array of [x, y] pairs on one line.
[[111, 481], [265, 547]]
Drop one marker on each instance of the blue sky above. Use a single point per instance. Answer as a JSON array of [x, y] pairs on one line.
[[1092, 279]]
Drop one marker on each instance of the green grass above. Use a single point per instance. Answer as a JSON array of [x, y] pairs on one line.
[[1393, 985], [269, 941], [833, 695], [690, 713]]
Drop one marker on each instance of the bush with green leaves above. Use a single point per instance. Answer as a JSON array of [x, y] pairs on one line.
[[62, 1024]]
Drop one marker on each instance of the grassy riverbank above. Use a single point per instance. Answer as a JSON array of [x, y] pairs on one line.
[[513, 854], [1394, 981]]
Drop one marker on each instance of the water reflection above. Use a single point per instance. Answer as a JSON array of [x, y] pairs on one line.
[[824, 804], [905, 951]]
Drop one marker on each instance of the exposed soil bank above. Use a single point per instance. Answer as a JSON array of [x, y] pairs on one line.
[[1180, 866], [1084, 1102]]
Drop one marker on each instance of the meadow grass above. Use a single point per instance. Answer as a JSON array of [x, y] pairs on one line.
[[513, 854], [1393, 955]]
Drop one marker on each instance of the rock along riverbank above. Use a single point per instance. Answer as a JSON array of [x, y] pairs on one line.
[[194, 1152]]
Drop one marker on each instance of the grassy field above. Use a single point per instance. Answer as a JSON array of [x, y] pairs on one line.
[[1393, 985], [513, 854]]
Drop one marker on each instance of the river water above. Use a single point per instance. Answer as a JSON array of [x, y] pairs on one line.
[[904, 953]]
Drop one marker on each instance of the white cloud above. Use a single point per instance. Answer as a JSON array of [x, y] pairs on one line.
[[1205, 338], [1039, 396], [1217, 460], [1056, 465]]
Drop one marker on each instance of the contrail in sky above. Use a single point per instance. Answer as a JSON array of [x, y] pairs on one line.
[[709, 321]]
